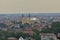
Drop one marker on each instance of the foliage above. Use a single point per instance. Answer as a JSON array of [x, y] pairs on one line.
[[47, 30], [36, 34], [55, 28], [5, 34], [2, 25]]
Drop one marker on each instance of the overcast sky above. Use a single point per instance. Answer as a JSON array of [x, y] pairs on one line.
[[14, 6]]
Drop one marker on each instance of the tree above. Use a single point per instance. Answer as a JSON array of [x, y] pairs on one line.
[[55, 27], [36, 34], [47, 30], [2, 25]]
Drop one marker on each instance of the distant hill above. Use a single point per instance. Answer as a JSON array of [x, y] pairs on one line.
[[32, 14]]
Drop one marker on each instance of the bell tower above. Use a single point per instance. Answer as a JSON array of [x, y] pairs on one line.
[[22, 19]]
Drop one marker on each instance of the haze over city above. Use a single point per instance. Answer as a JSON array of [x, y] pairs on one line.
[[31, 14]]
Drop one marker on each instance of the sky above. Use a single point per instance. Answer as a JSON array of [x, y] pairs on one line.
[[29, 6]]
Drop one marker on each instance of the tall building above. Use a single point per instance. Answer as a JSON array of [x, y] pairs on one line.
[[29, 19], [25, 19]]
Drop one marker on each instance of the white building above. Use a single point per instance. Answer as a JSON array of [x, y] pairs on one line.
[[48, 36], [21, 38], [35, 19]]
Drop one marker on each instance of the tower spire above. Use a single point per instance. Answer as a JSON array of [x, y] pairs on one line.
[[29, 15], [22, 15]]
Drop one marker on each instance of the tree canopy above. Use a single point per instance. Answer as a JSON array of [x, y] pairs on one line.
[[55, 28], [2, 25]]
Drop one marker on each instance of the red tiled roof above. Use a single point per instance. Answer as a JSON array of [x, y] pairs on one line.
[[29, 32]]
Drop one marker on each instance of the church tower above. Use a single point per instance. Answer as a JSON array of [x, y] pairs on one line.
[[25, 19], [28, 19]]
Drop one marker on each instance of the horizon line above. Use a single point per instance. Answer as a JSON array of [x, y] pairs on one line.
[[28, 12]]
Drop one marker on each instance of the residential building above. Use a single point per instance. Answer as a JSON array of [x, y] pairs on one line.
[[11, 38], [21, 38], [48, 36]]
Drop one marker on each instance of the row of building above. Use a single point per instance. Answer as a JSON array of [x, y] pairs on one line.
[[43, 36]]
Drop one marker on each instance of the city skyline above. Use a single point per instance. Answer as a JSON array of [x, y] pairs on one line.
[[31, 14]]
